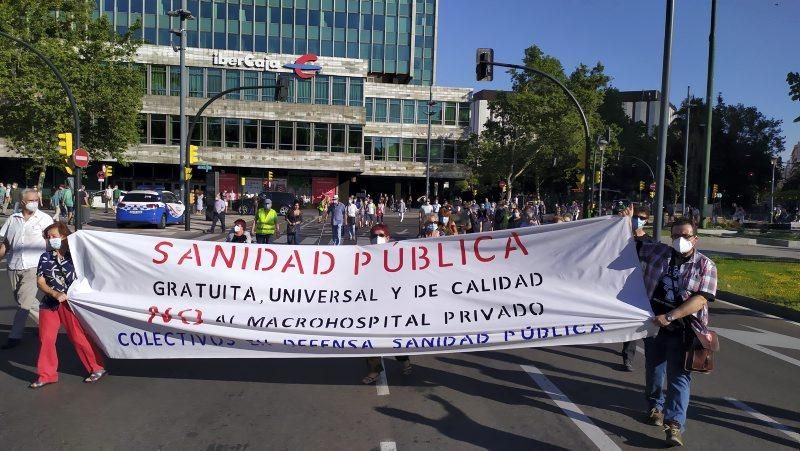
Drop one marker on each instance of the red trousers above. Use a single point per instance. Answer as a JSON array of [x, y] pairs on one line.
[[50, 321]]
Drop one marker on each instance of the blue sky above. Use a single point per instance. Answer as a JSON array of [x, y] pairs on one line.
[[758, 42]]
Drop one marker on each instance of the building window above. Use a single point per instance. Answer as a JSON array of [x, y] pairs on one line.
[[141, 127], [232, 81], [377, 148], [158, 129], [250, 128], [303, 136], [232, 132], [367, 147], [142, 72], [394, 111], [436, 113], [436, 151], [304, 91], [380, 110], [422, 112], [174, 80], [369, 110], [197, 132], [286, 136], [175, 130], [392, 149], [214, 82], [421, 154], [354, 135], [339, 91], [449, 151], [408, 111], [356, 91], [269, 79], [196, 82], [320, 137], [214, 132], [449, 113], [321, 90], [407, 150], [337, 137], [463, 114], [250, 79], [267, 135], [158, 80]]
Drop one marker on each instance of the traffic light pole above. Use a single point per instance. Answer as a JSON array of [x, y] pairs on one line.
[[663, 120], [280, 91], [709, 113], [183, 15], [76, 120], [587, 200]]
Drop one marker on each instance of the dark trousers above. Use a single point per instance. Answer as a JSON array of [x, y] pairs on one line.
[[628, 351], [263, 238], [293, 238], [218, 217]]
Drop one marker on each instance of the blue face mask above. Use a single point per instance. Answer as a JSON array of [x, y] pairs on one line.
[[430, 227], [638, 223], [55, 243]]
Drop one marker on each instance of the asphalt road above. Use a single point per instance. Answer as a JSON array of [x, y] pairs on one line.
[[546, 398]]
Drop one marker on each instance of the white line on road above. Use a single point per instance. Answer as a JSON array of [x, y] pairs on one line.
[[382, 384], [760, 416], [595, 434], [766, 315], [388, 446]]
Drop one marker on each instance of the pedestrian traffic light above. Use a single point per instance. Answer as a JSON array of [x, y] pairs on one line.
[[652, 194], [65, 144], [641, 185], [483, 68], [282, 88], [187, 172], [193, 158], [67, 167], [109, 170]]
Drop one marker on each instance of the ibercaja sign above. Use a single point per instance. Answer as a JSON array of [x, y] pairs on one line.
[[301, 66]]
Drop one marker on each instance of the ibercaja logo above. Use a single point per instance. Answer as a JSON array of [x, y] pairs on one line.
[[301, 67]]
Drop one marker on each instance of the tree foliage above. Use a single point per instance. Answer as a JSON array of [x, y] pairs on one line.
[[793, 78], [95, 62]]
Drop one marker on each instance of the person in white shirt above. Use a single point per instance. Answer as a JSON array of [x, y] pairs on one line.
[[22, 241], [401, 208], [352, 210], [436, 206], [108, 194]]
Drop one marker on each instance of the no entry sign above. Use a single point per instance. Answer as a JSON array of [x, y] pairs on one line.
[[81, 157]]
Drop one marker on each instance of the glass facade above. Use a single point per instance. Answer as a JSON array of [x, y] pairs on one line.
[[409, 111], [383, 148], [396, 37], [236, 133]]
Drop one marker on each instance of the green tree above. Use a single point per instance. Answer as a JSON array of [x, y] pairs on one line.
[[674, 180], [95, 62], [793, 78]]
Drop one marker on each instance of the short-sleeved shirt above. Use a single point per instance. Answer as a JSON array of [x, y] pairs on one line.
[[68, 198], [337, 213], [25, 240], [58, 273], [671, 279], [220, 205]]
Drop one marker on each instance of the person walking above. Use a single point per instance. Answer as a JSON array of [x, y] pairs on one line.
[[69, 203], [337, 212], [322, 207], [240, 234], [3, 192], [15, 196], [57, 199], [220, 207], [401, 209], [55, 273], [265, 226], [641, 214], [352, 213], [22, 240], [379, 234], [199, 203], [680, 282], [380, 210], [116, 193], [294, 219]]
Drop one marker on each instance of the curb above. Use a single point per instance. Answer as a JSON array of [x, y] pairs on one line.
[[759, 305]]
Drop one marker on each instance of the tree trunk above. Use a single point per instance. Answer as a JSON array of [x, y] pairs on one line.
[[40, 181], [509, 183]]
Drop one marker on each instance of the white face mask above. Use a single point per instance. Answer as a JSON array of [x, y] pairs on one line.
[[32, 206], [378, 240], [445, 220], [237, 229], [682, 245], [55, 243]]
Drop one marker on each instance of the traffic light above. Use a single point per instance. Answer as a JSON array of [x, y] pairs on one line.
[[65, 144], [242, 181], [483, 69], [269, 176], [187, 172], [193, 158], [67, 167], [282, 88], [109, 170], [597, 177], [652, 194], [714, 190], [641, 185]]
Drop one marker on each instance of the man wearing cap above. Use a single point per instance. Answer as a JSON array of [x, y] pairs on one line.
[[336, 211]]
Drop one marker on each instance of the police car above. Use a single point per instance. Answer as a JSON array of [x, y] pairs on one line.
[[149, 207]]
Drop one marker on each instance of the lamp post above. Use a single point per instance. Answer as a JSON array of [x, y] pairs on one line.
[[772, 191], [430, 114], [602, 143]]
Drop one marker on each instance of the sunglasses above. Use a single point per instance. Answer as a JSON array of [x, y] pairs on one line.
[[682, 235], [378, 235]]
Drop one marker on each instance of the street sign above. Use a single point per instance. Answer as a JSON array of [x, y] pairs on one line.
[[80, 157], [204, 167]]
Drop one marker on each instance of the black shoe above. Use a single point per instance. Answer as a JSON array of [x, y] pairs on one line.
[[11, 343]]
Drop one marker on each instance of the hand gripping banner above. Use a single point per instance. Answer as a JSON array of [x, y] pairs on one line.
[[150, 297]]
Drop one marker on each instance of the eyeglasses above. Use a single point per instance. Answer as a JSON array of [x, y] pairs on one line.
[[378, 235], [675, 236]]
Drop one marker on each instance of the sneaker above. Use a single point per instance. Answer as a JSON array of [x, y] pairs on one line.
[[674, 437], [655, 417]]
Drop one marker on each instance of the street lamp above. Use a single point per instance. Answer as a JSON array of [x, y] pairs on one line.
[[602, 143], [772, 193], [429, 112]]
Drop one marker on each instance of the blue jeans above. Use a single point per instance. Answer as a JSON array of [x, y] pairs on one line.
[[336, 234], [664, 361]]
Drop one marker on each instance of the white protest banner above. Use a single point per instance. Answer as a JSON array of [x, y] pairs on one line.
[[151, 297]]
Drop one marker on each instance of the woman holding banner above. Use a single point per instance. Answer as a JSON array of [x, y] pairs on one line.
[[55, 274], [379, 234]]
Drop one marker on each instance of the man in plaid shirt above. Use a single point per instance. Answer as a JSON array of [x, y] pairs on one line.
[[680, 282]]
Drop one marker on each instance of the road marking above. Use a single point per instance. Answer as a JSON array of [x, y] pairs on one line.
[[388, 446], [640, 350], [766, 315], [584, 423], [758, 341], [760, 416], [382, 384]]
